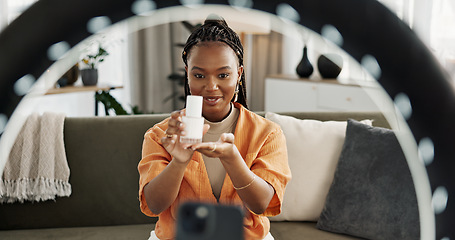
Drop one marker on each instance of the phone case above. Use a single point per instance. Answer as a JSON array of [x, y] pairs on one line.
[[203, 221]]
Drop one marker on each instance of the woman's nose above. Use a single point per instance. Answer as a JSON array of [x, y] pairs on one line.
[[212, 84]]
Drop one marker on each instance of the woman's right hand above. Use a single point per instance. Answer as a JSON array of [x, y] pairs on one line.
[[171, 142]]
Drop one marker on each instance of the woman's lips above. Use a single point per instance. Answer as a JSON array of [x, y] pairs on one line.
[[212, 100]]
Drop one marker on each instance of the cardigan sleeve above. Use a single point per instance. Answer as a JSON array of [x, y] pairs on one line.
[[154, 160], [271, 164]]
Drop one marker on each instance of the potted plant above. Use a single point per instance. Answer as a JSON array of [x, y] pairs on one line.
[[110, 102], [90, 75]]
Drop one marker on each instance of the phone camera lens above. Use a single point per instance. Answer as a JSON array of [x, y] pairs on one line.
[[202, 212]]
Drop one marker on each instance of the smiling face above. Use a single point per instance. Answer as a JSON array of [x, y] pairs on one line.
[[213, 73]]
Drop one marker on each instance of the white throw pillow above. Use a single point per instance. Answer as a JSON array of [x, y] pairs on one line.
[[314, 148]]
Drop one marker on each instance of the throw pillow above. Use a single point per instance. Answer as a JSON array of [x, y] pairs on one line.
[[372, 195], [314, 148]]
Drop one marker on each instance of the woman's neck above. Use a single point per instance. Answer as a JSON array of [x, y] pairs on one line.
[[231, 105]]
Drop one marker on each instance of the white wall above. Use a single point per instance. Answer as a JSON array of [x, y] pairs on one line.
[[112, 72]]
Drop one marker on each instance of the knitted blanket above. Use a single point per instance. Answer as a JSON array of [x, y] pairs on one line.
[[37, 169]]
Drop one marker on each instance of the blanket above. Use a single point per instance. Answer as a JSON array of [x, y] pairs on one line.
[[37, 169]]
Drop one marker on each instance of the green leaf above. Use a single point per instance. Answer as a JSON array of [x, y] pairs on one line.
[[110, 102]]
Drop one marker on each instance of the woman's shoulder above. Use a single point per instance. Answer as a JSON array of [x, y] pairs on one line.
[[158, 129], [256, 130]]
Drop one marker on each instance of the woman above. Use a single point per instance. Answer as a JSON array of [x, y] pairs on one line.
[[242, 159]]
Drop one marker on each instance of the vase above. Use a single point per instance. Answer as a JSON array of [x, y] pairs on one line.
[[73, 74], [304, 69], [89, 76], [70, 77], [330, 65], [62, 82]]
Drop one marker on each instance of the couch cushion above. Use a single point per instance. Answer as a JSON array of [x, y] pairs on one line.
[[303, 230], [279, 230], [314, 148], [140, 231], [372, 195], [102, 153]]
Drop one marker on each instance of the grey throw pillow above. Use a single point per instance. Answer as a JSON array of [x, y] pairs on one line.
[[372, 195]]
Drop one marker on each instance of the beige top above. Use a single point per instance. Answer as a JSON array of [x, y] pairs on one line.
[[215, 169]]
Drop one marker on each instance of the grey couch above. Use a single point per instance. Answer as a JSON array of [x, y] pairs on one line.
[[103, 153]]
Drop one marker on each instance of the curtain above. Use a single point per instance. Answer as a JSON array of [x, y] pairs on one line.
[[153, 57], [434, 22], [265, 53]]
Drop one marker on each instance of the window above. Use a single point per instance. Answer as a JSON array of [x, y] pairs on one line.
[[434, 22], [10, 9], [443, 33]]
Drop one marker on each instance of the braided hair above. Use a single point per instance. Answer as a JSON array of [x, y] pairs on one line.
[[215, 29]]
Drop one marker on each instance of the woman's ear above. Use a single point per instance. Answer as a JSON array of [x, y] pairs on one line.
[[240, 71]]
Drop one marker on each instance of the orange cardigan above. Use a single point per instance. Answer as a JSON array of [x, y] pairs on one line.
[[263, 147]]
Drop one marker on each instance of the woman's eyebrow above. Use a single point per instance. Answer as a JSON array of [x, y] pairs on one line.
[[225, 68], [197, 68], [221, 68]]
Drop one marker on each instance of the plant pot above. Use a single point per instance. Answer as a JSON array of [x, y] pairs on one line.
[[89, 76], [304, 69], [330, 65]]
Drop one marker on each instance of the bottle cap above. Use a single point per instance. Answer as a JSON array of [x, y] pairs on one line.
[[193, 106]]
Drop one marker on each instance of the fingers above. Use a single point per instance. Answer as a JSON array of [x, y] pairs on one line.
[[213, 148], [205, 129], [175, 127], [169, 142], [209, 148], [227, 137], [177, 114], [175, 124], [206, 147]]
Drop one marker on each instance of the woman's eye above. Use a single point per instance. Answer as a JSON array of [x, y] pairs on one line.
[[223, 75], [198, 76]]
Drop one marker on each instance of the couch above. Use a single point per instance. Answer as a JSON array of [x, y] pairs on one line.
[[103, 153]]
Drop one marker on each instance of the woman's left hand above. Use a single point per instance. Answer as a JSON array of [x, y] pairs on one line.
[[224, 148]]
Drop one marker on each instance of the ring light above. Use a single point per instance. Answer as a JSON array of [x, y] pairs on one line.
[[371, 34]]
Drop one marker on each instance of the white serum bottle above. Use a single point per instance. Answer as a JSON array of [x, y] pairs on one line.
[[193, 120]]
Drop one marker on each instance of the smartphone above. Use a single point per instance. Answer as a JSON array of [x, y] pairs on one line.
[[202, 221]]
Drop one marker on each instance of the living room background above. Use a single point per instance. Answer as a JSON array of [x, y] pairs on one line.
[[432, 20]]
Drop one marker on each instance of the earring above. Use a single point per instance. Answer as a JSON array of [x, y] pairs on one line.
[[236, 93]]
